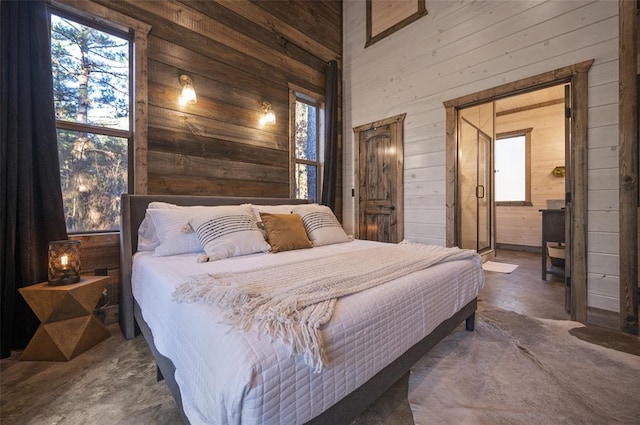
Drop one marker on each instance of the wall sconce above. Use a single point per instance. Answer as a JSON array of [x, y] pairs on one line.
[[64, 262], [188, 94], [269, 116]]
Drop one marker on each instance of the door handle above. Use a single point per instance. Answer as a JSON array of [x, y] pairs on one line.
[[479, 188]]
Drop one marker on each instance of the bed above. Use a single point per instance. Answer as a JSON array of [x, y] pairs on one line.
[[222, 375]]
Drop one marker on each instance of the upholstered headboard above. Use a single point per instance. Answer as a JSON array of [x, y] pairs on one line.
[[133, 208]]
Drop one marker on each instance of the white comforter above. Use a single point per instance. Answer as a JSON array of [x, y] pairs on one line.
[[233, 377]]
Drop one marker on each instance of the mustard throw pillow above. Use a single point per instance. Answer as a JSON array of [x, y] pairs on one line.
[[285, 232]]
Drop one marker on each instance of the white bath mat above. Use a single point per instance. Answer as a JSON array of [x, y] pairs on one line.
[[492, 266]]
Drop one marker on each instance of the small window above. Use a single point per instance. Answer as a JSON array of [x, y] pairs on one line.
[[512, 160], [306, 146], [92, 75]]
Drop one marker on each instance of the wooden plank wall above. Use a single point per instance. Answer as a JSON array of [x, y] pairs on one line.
[[465, 47], [100, 254], [239, 53], [628, 167]]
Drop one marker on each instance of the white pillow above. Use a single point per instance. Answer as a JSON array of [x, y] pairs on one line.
[[321, 224], [172, 229], [270, 209], [147, 235], [228, 233], [169, 224]]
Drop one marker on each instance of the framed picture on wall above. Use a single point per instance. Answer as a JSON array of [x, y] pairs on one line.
[[384, 17]]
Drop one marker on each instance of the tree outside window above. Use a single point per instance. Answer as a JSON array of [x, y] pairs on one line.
[[92, 84], [307, 150]]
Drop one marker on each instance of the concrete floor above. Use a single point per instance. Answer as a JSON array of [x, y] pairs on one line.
[[523, 290], [33, 391]]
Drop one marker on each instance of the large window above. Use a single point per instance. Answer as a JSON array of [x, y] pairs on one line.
[[512, 153], [306, 146], [92, 95]]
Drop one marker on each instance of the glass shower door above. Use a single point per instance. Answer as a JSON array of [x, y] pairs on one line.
[[482, 192], [474, 187]]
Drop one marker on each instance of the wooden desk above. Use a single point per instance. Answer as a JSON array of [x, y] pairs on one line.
[[68, 325], [552, 231]]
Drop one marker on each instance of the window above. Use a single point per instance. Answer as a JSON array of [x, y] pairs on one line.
[[512, 156], [306, 145], [92, 85]]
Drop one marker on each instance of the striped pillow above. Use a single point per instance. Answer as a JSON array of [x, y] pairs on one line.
[[321, 224], [229, 233]]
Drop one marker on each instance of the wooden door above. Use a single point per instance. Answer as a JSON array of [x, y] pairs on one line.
[[380, 188], [569, 302]]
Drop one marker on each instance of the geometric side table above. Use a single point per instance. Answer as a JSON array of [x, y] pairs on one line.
[[68, 325]]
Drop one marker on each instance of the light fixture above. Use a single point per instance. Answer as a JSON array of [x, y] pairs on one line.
[[188, 94], [64, 262], [269, 116]]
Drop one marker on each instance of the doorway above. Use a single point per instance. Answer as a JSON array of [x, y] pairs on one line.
[[511, 183], [576, 168]]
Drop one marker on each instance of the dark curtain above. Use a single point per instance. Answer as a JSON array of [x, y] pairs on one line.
[[31, 212], [329, 180]]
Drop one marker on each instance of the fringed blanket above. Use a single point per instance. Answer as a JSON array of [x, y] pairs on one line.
[[291, 301]]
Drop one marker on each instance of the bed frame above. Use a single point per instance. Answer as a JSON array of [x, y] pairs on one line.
[[133, 209]]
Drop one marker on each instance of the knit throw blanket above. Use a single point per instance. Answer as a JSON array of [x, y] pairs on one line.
[[292, 301]]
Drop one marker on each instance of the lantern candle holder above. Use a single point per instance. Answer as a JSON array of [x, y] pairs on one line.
[[64, 262]]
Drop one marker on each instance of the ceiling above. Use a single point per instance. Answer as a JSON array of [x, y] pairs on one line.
[[555, 93]]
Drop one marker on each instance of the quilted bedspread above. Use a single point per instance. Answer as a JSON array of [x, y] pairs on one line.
[[229, 376]]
